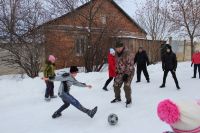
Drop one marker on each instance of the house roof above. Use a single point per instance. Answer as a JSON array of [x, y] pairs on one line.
[[113, 2]]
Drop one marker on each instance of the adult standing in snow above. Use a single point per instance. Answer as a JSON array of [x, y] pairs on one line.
[[67, 80], [124, 73], [49, 72], [169, 63], [142, 61], [196, 62], [111, 67]]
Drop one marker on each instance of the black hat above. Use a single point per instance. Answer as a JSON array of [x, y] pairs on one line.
[[119, 44], [168, 46], [73, 69]]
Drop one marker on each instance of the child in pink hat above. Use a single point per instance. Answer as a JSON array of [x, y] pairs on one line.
[[49, 72], [182, 116]]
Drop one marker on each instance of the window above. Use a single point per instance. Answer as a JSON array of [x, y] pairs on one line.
[[103, 19], [80, 44]]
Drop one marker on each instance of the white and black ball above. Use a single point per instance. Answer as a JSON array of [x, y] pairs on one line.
[[112, 119]]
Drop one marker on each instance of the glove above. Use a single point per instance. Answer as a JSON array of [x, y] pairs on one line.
[[125, 77], [163, 69], [191, 64]]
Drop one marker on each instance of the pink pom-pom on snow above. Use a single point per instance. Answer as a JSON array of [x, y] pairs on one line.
[[168, 111]]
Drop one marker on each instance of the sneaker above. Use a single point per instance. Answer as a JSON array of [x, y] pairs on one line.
[[56, 114], [105, 89], [92, 112], [54, 96], [116, 100], [128, 102], [162, 86], [47, 99]]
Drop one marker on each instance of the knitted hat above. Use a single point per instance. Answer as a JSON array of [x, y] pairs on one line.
[[112, 51], [119, 44], [51, 58], [73, 69], [183, 117]]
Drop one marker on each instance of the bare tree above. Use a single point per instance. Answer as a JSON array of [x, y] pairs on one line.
[[185, 16], [152, 17], [18, 21], [59, 7], [100, 26]]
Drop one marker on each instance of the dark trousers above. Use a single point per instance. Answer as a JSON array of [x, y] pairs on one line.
[[195, 69], [108, 81], [69, 99], [49, 89], [139, 70], [173, 75]]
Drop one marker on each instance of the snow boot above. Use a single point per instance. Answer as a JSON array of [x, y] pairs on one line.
[[56, 114], [92, 112], [116, 100], [54, 96], [105, 89], [162, 86], [137, 81], [128, 103], [48, 99]]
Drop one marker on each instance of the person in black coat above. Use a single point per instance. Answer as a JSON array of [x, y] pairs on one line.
[[142, 61], [169, 63]]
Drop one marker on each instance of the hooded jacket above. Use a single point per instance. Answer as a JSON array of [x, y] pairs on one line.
[[66, 82], [169, 61]]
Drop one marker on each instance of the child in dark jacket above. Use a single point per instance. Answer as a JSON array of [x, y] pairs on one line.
[[67, 80], [49, 72]]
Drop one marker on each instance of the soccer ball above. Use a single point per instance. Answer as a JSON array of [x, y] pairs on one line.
[[112, 119]]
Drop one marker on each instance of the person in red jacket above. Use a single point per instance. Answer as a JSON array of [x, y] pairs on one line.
[[196, 62], [111, 67]]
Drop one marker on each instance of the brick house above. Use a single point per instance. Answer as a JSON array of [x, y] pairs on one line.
[[67, 35]]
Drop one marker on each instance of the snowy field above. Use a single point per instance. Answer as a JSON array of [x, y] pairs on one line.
[[23, 109]]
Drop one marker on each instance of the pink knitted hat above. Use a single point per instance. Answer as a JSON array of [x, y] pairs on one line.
[[52, 58], [168, 112]]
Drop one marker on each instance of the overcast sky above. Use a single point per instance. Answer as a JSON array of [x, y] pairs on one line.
[[130, 6]]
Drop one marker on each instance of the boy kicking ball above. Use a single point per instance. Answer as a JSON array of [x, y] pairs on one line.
[[67, 80]]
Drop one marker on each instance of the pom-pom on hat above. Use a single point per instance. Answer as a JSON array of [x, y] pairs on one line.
[[51, 58], [168, 112]]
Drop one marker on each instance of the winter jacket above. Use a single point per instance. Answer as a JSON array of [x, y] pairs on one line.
[[125, 63], [49, 70], [141, 59], [111, 65], [66, 82], [169, 61], [196, 58]]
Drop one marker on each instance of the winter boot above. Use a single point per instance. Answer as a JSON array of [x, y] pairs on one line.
[[92, 112], [162, 86], [47, 99], [54, 96], [148, 81], [178, 87], [128, 102], [137, 81], [56, 114], [105, 89], [116, 100], [194, 77]]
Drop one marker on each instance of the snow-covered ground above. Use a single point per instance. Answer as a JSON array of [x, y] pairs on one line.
[[23, 109]]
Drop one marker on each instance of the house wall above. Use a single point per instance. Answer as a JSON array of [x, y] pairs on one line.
[[61, 42]]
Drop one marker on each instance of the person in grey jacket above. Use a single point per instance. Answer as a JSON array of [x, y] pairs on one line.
[[67, 80]]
